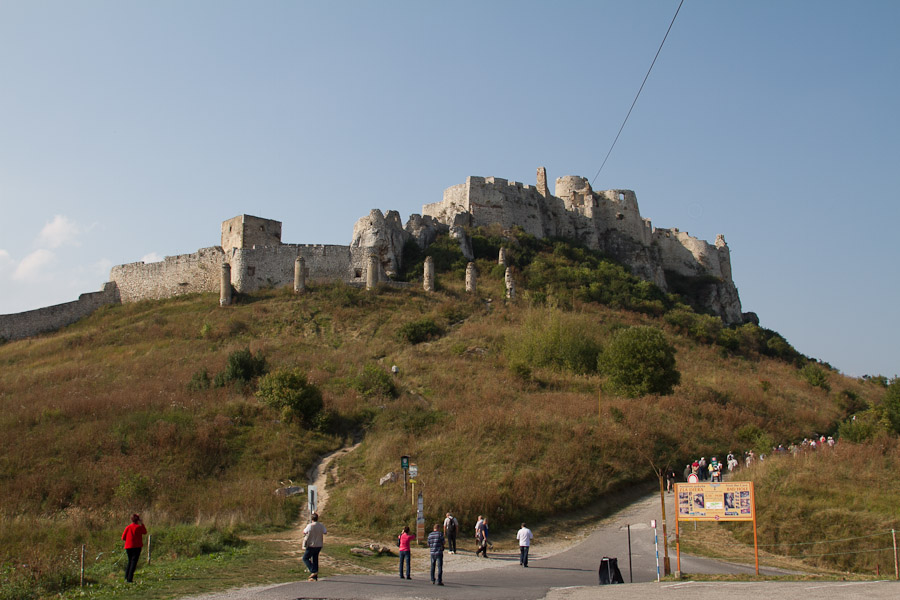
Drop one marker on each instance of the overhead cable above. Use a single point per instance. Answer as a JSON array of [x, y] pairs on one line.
[[638, 93]]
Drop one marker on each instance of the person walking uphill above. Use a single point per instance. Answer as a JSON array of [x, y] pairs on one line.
[[481, 536], [451, 528], [134, 541], [314, 539], [403, 541], [436, 548], [524, 536]]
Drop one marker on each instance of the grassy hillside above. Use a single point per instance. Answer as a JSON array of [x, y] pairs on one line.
[[500, 404]]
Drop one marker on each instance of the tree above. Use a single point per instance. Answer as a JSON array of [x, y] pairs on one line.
[[639, 361], [291, 392]]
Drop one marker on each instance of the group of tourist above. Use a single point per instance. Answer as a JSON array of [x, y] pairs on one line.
[[713, 469], [439, 540]]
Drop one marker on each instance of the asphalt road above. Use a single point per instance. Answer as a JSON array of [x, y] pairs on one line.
[[572, 574]]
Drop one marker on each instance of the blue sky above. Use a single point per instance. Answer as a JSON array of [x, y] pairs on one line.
[[130, 130]]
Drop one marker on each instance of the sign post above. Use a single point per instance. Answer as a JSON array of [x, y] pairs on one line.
[[413, 476], [404, 464], [420, 519], [311, 500], [732, 501]]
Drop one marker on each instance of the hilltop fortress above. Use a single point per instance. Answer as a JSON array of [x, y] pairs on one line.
[[254, 257]]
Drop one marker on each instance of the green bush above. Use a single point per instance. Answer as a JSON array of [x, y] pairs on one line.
[[242, 367], [373, 381], [187, 541], [553, 339], [814, 376], [200, 380], [416, 332], [864, 426], [291, 392], [892, 404], [639, 361]]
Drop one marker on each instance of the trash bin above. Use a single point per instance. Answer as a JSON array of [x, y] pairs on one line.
[[609, 571]]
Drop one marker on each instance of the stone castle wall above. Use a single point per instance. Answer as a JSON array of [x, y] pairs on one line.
[[176, 275], [51, 318], [273, 266]]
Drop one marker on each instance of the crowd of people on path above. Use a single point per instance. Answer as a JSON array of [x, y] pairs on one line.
[[713, 470]]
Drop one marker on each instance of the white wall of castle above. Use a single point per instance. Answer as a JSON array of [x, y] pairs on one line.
[[51, 318], [273, 266], [173, 276]]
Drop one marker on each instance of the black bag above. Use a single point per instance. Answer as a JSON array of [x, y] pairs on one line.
[[609, 571]]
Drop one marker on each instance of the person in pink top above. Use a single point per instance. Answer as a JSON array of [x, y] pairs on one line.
[[134, 541], [403, 540]]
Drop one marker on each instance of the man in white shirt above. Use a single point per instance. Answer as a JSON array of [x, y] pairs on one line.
[[313, 542], [524, 536]]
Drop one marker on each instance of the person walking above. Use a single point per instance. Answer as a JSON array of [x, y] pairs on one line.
[[671, 476], [314, 539], [481, 537], [451, 527], [405, 552], [524, 536], [134, 541], [436, 548]]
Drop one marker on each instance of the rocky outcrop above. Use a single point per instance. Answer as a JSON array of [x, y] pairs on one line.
[[384, 236]]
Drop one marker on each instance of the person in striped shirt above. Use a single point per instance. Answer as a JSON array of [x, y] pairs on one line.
[[436, 546]]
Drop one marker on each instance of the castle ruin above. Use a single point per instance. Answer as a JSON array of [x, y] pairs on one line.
[[609, 221]]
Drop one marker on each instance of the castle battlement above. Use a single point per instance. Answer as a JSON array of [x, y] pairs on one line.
[[255, 257]]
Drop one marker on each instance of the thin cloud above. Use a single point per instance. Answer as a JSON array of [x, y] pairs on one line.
[[152, 258], [6, 260], [59, 231], [33, 266]]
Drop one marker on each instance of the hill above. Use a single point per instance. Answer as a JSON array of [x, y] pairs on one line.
[[153, 406]]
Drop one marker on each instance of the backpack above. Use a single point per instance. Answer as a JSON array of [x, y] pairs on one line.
[[454, 525]]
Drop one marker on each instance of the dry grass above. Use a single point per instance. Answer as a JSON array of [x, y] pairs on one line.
[[96, 421]]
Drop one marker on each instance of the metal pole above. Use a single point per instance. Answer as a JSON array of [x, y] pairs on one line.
[[662, 498], [677, 545], [656, 543], [149, 541], [630, 573], [896, 562], [82, 566]]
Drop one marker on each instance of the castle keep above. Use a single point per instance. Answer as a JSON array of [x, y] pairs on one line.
[[608, 220]]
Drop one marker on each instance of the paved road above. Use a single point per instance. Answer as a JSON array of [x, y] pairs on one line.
[[560, 576]]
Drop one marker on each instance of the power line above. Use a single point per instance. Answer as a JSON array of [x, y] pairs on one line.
[[638, 93]]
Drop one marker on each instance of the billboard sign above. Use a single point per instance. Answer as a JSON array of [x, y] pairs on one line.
[[732, 501]]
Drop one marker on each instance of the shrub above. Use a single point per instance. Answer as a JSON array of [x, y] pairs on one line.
[[373, 381], [863, 426], [553, 339], [291, 392], [134, 489], [242, 367], [892, 404], [200, 380], [850, 402], [188, 541], [814, 376], [416, 332], [639, 361]]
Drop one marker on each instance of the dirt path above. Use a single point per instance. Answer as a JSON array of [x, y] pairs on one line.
[[317, 476]]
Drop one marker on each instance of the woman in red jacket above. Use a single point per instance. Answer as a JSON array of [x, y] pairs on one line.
[[134, 541]]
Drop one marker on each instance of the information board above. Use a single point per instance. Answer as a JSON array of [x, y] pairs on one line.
[[731, 501]]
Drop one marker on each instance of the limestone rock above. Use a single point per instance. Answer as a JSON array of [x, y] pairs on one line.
[[465, 242], [384, 236], [424, 230]]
